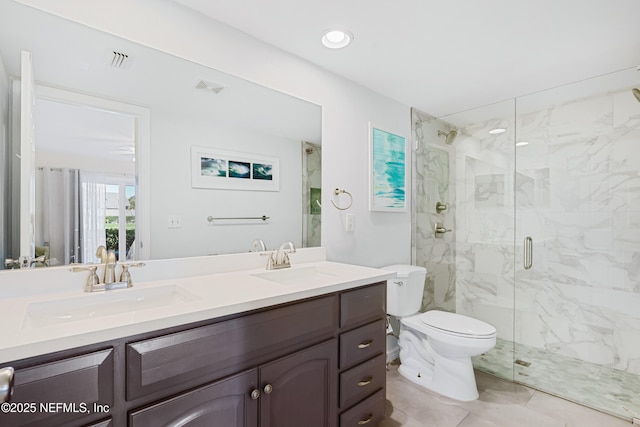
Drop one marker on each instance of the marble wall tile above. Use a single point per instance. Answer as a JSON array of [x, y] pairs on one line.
[[433, 178], [577, 193], [312, 178]]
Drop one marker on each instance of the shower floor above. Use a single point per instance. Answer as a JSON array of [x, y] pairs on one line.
[[600, 387]]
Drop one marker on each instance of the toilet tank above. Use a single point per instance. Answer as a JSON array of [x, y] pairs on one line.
[[404, 292]]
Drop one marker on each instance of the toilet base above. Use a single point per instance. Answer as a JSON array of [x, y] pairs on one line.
[[393, 349], [449, 376], [424, 379]]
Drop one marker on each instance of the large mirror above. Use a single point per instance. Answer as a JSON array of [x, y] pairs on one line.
[[128, 146]]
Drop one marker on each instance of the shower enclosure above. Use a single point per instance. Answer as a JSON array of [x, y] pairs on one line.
[[529, 219]]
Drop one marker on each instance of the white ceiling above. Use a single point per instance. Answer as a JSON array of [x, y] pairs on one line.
[[443, 56]]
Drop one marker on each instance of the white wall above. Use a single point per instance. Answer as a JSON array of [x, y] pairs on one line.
[[378, 238], [172, 194]]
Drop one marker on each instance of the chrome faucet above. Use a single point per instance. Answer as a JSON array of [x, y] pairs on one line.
[[110, 268], [93, 281], [280, 259], [108, 282], [25, 262], [259, 243]]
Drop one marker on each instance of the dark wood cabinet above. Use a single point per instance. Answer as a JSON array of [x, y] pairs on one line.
[[300, 390], [296, 390], [362, 372], [67, 392], [174, 361], [317, 362], [227, 403]]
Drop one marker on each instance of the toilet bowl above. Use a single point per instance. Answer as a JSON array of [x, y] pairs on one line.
[[435, 347]]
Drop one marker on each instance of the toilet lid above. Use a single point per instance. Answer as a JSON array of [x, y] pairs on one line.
[[456, 323]]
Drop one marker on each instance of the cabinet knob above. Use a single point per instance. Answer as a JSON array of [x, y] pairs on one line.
[[6, 384], [365, 344], [268, 389], [255, 394], [365, 382], [366, 420]]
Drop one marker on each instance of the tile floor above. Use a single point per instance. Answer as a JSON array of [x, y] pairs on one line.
[[501, 404], [606, 389]]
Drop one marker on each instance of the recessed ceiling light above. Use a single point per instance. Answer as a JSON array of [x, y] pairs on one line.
[[336, 39], [497, 131], [521, 143]]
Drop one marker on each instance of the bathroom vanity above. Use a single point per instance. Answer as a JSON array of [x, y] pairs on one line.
[[313, 358]]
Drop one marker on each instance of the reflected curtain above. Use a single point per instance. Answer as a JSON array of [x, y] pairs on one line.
[[93, 211], [57, 215]]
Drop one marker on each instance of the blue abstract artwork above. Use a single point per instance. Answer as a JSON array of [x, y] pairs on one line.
[[388, 171]]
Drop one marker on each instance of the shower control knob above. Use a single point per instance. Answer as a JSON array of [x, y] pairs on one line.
[[439, 229]]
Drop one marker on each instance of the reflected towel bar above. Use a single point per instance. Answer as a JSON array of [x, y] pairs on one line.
[[263, 218]]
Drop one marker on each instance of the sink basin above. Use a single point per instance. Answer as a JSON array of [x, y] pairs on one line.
[[91, 306], [290, 276]]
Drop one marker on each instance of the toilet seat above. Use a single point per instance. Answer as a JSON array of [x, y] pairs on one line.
[[451, 324]]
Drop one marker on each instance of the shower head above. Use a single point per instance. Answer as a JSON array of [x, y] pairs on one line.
[[448, 136], [636, 93]]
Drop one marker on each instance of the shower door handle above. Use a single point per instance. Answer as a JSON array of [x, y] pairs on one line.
[[528, 253]]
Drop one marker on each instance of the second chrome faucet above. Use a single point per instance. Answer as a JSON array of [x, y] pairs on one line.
[[280, 258]]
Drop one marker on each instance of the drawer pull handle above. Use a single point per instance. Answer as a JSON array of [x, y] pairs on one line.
[[6, 384], [365, 344], [366, 420], [255, 394], [365, 382], [268, 389]]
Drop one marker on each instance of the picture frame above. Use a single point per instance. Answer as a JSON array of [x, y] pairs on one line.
[[389, 157], [231, 170]]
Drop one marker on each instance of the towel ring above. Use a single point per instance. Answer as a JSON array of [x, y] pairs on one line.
[[337, 192]]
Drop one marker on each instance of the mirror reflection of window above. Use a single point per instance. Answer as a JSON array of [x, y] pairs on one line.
[[120, 218]]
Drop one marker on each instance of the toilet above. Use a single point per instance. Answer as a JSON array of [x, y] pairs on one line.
[[435, 347]]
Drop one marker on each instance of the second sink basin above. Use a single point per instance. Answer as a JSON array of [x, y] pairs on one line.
[[94, 305], [289, 276]]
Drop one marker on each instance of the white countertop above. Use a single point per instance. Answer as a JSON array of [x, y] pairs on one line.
[[199, 297]]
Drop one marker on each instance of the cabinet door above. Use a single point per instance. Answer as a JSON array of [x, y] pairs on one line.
[[226, 403], [301, 389], [63, 392]]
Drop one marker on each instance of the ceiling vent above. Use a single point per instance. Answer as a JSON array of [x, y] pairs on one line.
[[210, 86], [120, 60]]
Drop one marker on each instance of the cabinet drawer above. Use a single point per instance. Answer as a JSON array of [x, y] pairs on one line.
[[224, 403], [369, 412], [191, 358], [362, 343], [363, 305], [362, 380], [104, 423], [77, 381]]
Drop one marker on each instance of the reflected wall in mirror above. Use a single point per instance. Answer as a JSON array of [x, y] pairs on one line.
[[90, 87]]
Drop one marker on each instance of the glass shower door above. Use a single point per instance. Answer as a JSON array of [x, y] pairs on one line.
[[482, 202], [577, 243]]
